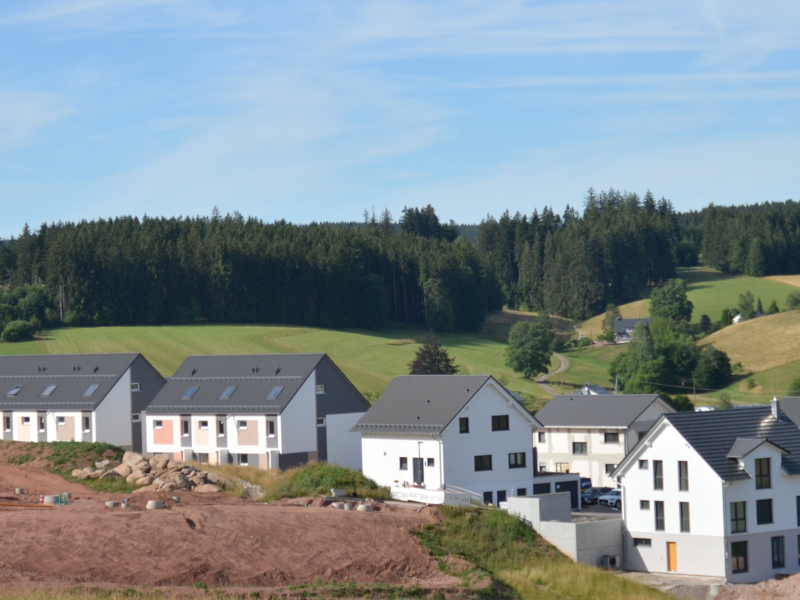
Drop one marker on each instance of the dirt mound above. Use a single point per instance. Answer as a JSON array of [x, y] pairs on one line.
[[213, 538], [787, 589]]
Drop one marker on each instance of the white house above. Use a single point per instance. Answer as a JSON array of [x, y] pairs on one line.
[[591, 434], [714, 494], [623, 329], [80, 397], [265, 410], [440, 431]]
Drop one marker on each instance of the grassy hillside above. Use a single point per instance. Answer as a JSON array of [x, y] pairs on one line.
[[371, 360], [710, 291]]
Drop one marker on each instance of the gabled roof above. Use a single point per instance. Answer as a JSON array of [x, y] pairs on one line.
[[622, 325], [594, 411], [716, 434], [71, 374], [255, 377], [421, 403], [590, 389]]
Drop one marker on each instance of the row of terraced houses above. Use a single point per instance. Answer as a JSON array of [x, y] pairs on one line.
[[712, 493]]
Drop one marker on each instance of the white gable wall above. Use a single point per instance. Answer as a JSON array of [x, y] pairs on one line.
[[297, 424], [344, 446], [113, 415]]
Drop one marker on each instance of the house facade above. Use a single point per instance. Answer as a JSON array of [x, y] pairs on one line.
[[623, 329], [80, 397], [463, 431], [266, 410], [714, 494], [591, 434]]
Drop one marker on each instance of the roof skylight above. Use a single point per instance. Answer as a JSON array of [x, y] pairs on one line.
[[91, 390], [187, 395], [228, 392], [275, 392], [14, 391], [49, 390]]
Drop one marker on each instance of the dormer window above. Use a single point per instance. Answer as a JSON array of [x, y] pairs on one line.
[[187, 395], [14, 391], [763, 480]]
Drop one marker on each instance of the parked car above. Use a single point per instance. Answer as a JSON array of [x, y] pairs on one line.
[[591, 495], [586, 483], [612, 498]]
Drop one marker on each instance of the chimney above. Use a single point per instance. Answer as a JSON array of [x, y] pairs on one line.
[[775, 406]]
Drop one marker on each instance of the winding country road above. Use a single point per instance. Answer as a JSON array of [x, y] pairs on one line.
[[562, 367]]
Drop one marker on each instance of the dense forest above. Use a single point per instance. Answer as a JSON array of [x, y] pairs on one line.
[[417, 271]]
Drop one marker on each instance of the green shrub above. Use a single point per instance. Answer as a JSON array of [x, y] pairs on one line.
[[319, 478], [17, 331]]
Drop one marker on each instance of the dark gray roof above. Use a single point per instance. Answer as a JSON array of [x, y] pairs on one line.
[[420, 403], [72, 374], [254, 375], [714, 435], [594, 411], [791, 406], [744, 446], [592, 389], [621, 325]]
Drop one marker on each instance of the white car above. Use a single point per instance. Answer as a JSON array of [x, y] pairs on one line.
[[612, 498]]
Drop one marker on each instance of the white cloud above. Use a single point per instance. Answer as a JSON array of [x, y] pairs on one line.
[[23, 114]]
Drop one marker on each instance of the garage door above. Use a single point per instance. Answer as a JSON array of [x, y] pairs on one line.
[[541, 488], [572, 488]]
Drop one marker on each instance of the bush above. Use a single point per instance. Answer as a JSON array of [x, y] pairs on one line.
[[714, 369], [319, 478], [17, 331], [793, 300]]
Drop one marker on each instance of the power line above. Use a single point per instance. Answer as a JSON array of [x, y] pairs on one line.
[[684, 387]]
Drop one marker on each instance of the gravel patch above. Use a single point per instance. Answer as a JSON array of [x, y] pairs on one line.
[[251, 490]]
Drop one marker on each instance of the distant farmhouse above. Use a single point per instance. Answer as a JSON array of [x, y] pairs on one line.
[[80, 397], [623, 329], [270, 411]]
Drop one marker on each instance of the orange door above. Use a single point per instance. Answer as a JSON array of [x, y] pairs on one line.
[[672, 556]]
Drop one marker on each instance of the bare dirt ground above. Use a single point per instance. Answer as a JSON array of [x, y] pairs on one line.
[[788, 589], [214, 538]]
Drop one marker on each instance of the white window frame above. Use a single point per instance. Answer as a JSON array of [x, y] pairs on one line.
[[321, 422], [241, 425], [136, 387], [202, 424], [158, 424], [245, 463], [61, 421], [320, 389], [185, 428], [136, 418], [89, 421], [26, 420]]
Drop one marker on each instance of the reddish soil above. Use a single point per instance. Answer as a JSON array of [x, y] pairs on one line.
[[214, 538], [785, 589]]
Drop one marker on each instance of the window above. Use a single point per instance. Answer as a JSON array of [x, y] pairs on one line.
[[541, 436], [49, 390], [202, 424], [524, 492], [430, 462], [403, 463], [320, 421], [202, 457], [738, 517], [241, 424], [276, 391], [14, 391], [241, 460], [644, 465], [483, 463], [762, 474], [135, 387], [87, 423], [644, 504], [542, 467], [220, 428], [516, 460], [185, 428], [59, 421], [685, 526], [611, 438], [26, 420], [579, 447], [562, 467], [646, 542], [158, 424], [659, 515], [463, 425], [610, 469], [488, 497], [500, 423], [658, 475], [778, 555], [91, 390], [739, 557], [270, 428], [501, 496], [187, 395], [7, 423], [320, 389], [683, 476], [227, 392], [797, 500], [135, 418], [764, 511]]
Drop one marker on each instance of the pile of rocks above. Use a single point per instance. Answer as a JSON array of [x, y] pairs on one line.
[[159, 473]]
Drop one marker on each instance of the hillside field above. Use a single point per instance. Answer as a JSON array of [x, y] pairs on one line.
[[370, 359]]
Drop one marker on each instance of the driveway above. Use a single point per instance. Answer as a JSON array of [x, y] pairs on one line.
[[564, 363]]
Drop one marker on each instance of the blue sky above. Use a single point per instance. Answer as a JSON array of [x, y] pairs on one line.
[[318, 110]]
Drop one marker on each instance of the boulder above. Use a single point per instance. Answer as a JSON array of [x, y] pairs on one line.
[[158, 481], [77, 472], [133, 477], [106, 465], [168, 487], [110, 475], [96, 474], [138, 473], [123, 470], [142, 465], [212, 477], [207, 488], [80, 474], [182, 483], [146, 480], [147, 488], [131, 458], [88, 470]]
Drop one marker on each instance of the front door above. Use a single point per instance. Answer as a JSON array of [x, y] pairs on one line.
[[419, 472], [672, 556]]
